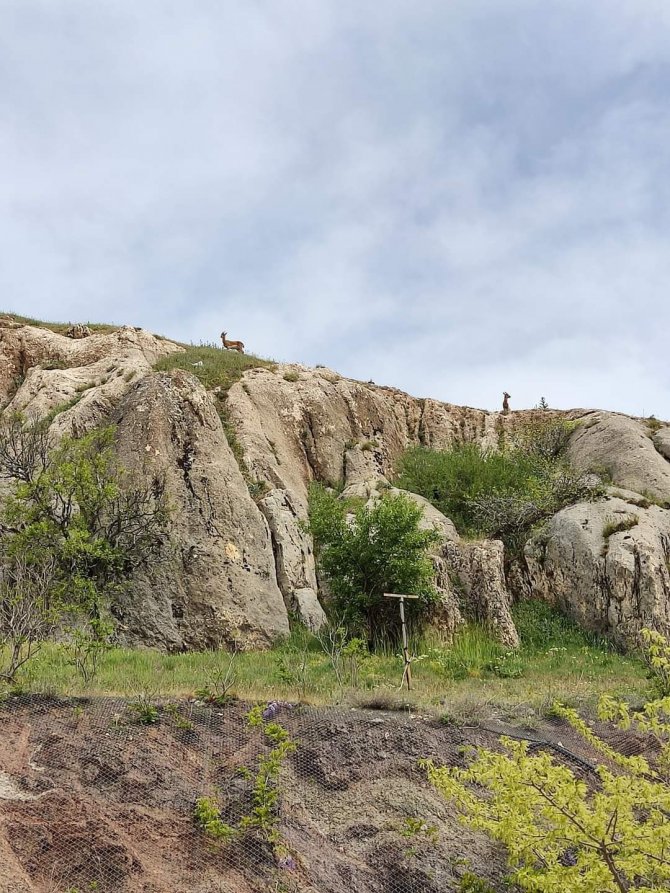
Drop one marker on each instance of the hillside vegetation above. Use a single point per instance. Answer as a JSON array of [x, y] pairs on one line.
[[501, 493], [59, 327], [216, 368]]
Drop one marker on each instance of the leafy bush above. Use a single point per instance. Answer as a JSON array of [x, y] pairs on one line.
[[75, 526], [561, 833], [376, 550], [504, 493]]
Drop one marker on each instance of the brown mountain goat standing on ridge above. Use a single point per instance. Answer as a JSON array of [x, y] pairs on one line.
[[232, 345]]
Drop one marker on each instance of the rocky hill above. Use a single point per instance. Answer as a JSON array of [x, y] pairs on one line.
[[242, 560]]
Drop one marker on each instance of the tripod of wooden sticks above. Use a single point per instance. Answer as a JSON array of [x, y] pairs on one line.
[[407, 669]]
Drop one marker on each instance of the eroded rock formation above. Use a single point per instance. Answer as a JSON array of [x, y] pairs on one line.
[[219, 587], [607, 564], [240, 567]]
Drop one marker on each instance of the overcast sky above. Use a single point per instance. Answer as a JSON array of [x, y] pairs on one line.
[[452, 196]]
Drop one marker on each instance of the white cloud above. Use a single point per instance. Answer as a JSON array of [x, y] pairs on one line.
[[453, 198]]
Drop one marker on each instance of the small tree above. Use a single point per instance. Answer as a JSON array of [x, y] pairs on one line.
[[27, 613], [563, 835], [371, 551], [74, 503]]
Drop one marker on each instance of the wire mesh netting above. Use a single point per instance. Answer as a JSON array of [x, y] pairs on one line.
[[120, 797]]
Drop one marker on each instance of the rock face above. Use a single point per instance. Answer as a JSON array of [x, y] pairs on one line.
[[220, 587], [298, 424], [478, 569], [624, 448], [661, 440], [608, 565], [294, 558], [83, 380], [240, 568]]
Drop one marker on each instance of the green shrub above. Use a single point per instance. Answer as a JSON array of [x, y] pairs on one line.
[[263, 816], [377, 550], [653, 424], [562, 834], [207, 815], [74, 527], [499, 493]]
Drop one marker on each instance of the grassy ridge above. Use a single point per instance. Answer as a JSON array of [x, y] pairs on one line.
[[220, 368], [59, 327]]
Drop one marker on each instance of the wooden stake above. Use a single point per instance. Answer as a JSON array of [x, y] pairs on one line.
[[407, 670]]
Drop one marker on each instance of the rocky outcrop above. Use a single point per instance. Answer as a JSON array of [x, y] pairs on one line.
[[607, 564], [80, 381], [79, 331], [477, 571], [219, 586], [622, 448], [294, 558], [661, 440], [297, 424], [240, 568]]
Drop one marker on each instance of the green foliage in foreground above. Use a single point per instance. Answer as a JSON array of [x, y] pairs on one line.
[[263, 817], [499, 493], [74, 527], [220, 368], [377, 550], [562, 834]]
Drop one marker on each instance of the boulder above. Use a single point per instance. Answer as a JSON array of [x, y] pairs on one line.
[[78, 331], [477, 571], [607, 564], [622, 448], [219, 587]]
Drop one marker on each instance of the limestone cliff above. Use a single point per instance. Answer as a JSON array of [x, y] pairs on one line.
[[240, 565]]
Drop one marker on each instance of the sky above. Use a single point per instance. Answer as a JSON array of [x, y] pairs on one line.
[[455, 198]]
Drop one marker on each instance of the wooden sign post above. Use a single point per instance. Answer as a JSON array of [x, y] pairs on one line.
[[407, 671]]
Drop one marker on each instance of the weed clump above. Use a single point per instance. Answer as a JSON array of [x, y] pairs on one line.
[[619, 525]]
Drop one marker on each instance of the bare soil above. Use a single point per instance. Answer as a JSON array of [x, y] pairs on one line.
[[93, 801]]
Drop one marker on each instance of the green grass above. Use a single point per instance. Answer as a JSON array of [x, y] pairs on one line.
[[220, 368], [475, 675]]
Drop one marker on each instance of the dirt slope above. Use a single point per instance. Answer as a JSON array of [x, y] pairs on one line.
[[89, 800]]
